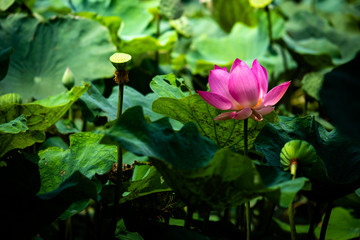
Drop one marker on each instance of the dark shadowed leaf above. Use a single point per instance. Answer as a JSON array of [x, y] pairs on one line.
[[340, 155], [338, 95]]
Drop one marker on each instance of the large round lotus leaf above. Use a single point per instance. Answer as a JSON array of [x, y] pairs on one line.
[[340, 155], [318, 42], [244, 42], [134, 13], [43, 51], [228, 12]]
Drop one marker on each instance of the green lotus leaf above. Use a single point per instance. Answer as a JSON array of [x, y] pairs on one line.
[[38, 116], [243, 42], [342, 225], [136, 30], [94, 104], [153, 182], [181, 147], [15, 126], [318, 42], [43, 113], [172, 9], [43, 51], [5, 4], [311, 84], [85, 155], [228, 12], [225, 134], [15, 134], [303, 154], [168, 86], [194, 167], [339, 154]]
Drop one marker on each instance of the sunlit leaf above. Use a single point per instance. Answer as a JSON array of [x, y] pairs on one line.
[[243, 42], [43, 113], [342, 225], [85, 155], [168, 86], [194, 109], [5, 4], [259, 3]]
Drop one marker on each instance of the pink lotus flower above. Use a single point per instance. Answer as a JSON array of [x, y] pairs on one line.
[[243, 90]]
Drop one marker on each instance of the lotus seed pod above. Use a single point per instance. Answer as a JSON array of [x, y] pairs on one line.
[[297, 152], [10, 98], [120, 60], [68, 79]]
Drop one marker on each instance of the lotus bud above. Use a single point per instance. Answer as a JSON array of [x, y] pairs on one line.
[[68, 79]]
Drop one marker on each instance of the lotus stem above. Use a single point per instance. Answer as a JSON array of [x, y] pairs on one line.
[[245, 137], [291, 209], [247, 204], [158, 20], [326, 220], [248, 225], [268, 13], [120, 61], [189, 217], [315, 213], [292, 221]]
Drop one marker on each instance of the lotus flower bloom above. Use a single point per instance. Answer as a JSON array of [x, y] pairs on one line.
[[243, 91]]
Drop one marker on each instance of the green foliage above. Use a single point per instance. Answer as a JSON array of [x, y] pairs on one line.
[[180, 149], [85, 155], [318, 42], [43, 51], [312, 83], [331, 147], [22, 125], [43, 113], [168, 86], [225, 134], [198, 176], [243, 42], [228, 12], [171, 9], [152, 182], [342, 225], [5, 4]]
